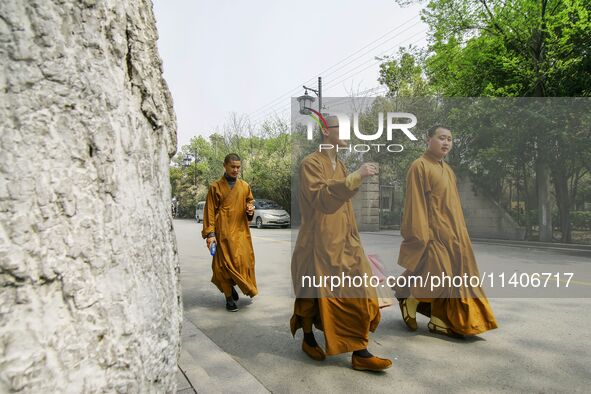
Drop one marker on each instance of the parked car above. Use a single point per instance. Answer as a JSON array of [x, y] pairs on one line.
[[269, 213], [199, 211]]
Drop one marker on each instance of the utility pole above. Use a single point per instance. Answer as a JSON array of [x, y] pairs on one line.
[[320, 94]]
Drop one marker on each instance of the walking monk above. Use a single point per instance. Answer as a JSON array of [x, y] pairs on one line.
[[228, 209], [436, 243], [328, 244]]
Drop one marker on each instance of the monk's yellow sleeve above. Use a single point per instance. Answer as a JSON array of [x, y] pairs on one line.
[[325, 193], [415, 219], [354, 180], [209, 212], [249, 200]]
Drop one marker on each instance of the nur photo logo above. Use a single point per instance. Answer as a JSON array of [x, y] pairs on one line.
[[394, 122]]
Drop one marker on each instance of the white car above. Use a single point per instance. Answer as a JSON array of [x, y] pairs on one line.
[[269, 213]]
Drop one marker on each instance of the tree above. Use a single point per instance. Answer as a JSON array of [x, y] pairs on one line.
[[514, 48], [266, 162], [404, 75]]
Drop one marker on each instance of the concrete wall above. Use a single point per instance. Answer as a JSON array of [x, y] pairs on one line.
[[484, 217], [89, 288]]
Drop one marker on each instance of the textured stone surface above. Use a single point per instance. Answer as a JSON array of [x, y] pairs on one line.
[[89, 290]]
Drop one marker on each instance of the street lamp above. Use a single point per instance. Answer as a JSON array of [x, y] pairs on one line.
[[305, 103], [187, 160]]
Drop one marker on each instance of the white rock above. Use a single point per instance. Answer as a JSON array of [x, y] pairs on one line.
[[89, 286]]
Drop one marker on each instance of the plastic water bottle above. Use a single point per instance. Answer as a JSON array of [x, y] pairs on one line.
[[212, 248]]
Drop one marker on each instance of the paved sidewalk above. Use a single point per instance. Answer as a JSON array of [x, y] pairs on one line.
[[205, 368], [540, 345], [183, 386]]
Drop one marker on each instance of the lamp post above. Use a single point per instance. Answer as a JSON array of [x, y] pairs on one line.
[[307, 100], [187, 160]]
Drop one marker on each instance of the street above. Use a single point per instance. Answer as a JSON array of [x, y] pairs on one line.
[[541, 344]]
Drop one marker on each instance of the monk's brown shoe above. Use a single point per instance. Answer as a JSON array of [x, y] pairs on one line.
[[314, 352], [370, 363], [448, 332]]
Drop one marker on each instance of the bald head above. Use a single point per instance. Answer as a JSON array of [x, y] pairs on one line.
[[332, 121]]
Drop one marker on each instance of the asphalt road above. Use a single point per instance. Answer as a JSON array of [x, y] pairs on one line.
[[541, 345]]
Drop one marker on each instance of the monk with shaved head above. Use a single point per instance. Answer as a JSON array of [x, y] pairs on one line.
[[328, 244]]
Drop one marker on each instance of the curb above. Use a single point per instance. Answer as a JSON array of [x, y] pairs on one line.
[[534, 244], [505, 242]]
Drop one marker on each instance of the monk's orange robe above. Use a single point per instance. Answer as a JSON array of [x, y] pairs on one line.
[[328, 243], [225, 215], [436, 240]]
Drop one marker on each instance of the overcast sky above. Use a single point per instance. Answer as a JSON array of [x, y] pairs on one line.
[[250, 57]]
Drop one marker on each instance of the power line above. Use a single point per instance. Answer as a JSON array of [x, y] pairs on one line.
[[346, 75], [435, 70], [341, 61], [373, 62], [375, 91], [325, 76]]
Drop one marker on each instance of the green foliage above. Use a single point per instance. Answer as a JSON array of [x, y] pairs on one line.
[[509, 48], [581, 220], [266, 163], [515, 48], [404, 75]]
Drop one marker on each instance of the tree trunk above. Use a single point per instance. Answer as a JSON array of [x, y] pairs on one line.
[[544, 209], [542, 171], [563, 200], [527, 204], [89, 296]]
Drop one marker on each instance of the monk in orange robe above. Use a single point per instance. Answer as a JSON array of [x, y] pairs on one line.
[[228, 209], [436, 242], [328, 244]]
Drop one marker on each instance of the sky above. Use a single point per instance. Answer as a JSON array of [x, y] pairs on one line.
[[249, 57]]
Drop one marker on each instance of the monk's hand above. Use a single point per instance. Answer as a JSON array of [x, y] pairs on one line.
[[368, 169], [210, 240], [250, 209]]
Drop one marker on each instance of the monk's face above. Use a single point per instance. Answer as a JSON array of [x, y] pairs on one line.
[[232, 168], [440, 143], [331, 133]]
